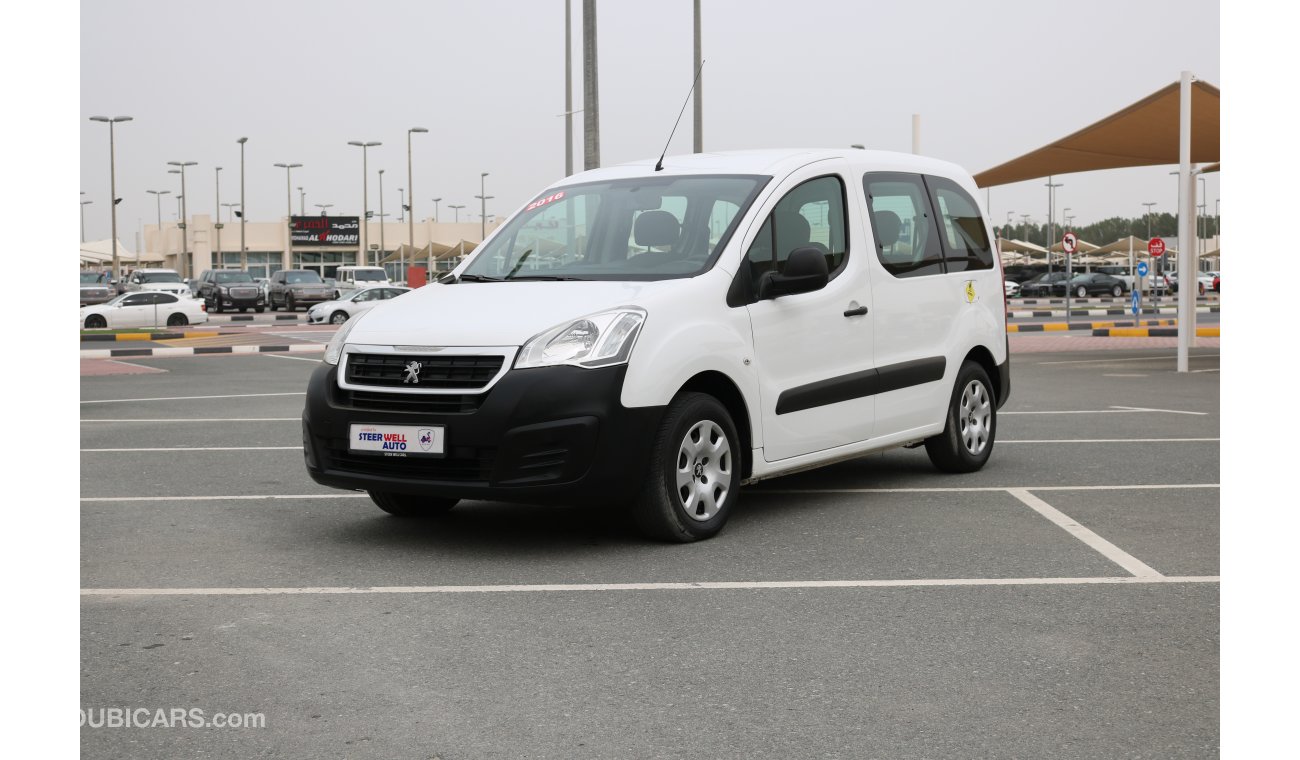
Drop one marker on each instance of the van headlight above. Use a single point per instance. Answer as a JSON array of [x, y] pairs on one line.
[[334, 349], [596, 340]]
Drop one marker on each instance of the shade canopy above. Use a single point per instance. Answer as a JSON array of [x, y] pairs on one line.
[[1083, 246], [1020, 246], [1143, 134], [1123, 245]]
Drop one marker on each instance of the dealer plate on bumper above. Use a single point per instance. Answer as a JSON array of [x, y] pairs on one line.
[[398, 440]]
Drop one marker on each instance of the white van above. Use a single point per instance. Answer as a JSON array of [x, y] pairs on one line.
[[653, 340], [350, 279], [165, 280]]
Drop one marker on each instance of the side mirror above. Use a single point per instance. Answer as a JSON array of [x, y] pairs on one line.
[[805, 271]]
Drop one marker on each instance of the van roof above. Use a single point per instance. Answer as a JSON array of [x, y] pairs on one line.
[[774, 162]]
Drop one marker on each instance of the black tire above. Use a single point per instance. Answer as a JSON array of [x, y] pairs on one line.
[[1082, 292], [259, 309], [217, 307], [243, 309], [948, 451], [289, 305], [96, 322], [660, 512], [334, 318], [177, 320], [271, 301], [1117, 291], [409, 505]]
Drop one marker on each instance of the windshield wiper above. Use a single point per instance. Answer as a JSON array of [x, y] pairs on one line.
[[477, 278], [547, 277]]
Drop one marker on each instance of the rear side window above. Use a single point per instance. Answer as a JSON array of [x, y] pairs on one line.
[[906, 237], [811, 215], [965, 238]]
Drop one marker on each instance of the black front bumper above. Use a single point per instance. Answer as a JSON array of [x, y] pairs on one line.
[[545, 435]]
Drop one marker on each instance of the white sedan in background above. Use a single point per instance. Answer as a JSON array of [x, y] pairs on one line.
[[1012, 287], [144, 308], [340, 311]]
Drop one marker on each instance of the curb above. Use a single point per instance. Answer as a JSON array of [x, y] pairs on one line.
[[118, 353], [1085, 301], [1064, 326], [251, 317], [94, 337], [1153, 332]]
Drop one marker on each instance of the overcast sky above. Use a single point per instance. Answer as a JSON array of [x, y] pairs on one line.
[[991, 80]]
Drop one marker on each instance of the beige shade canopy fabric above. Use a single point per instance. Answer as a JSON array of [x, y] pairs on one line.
[[439, 251], [1020, 246], [1122, 246], [1143, 134]]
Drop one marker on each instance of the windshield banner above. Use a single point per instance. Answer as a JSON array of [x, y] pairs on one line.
[[326, 231]]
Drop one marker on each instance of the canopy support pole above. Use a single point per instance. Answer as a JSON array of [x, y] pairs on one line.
[[1186, 226]]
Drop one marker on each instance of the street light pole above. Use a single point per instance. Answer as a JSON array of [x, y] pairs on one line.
[[84, 204], [112, 184], [230, 214], [436, 200], [382, 250], [410, 185], [365, 197], [458, 208], [187, 266], [401, 205], [288, 199], [1148, 206], [217, 226], [1051, 218], [158, 194], [243, 210], [483, 199], [302, 202], [323, 206]]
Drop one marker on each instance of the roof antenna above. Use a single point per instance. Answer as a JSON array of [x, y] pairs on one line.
[[659, 166]]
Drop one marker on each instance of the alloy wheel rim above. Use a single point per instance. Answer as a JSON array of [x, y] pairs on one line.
[[975, 415], [703, 470]]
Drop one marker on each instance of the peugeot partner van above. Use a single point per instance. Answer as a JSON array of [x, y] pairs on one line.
[[652, 340], [350, 279]]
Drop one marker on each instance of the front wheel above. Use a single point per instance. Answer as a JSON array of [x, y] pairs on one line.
[[1082, 292], [177, 320], [693, 481], [409, 505], [1117, 291], [971, 427], [338, 317], [289, 305], [271, 301], [96, 322]]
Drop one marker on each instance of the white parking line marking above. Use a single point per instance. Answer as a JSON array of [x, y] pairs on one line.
[[207, 419], [1122, 375], [135, 366], [174, 449], [691, 586], [1114, 440], [295, 358], [759, 491], [1108, 550], [1129, 359], [1166, 411], [1198, 371], [189, 398]]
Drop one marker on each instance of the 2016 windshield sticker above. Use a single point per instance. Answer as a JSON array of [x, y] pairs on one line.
[[543, 201]]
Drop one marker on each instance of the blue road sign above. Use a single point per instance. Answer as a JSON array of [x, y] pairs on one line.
[[1143, 269], [1135, 300]]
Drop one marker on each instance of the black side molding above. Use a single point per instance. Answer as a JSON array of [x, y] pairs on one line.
[[859, 384]]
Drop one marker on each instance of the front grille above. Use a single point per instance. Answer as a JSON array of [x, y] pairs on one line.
[[462, 464], [424, 403], [243, 292], [390, 370]]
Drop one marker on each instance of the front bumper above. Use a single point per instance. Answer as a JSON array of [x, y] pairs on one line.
[[225, 300], [544, 435]]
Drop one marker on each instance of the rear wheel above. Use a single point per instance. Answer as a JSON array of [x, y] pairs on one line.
[[96, 322], [338, 317], [693, 481], [1082, 292], [177, 320], [271, 300], [971, 427], [410, 505], [1117, 291]]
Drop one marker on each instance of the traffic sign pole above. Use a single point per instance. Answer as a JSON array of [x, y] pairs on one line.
[[1069, 242]]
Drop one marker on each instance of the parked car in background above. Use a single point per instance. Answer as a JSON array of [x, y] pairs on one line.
[[350, 279], [1022, 273], [165, 280], [1216, 283], [1042, 284], [230, 288], [1090, 284], [339, 311], [1012, 288], [1121, 273], [292, 288], [144, 308], [1204, 282], [96, 287]]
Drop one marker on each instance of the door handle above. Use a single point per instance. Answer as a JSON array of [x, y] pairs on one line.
[[858, 312]]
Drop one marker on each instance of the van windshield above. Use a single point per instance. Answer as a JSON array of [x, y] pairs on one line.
[[647, 228], [369, 275], [160, 277]]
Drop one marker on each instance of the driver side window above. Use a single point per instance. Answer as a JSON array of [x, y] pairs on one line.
[[811, 215]]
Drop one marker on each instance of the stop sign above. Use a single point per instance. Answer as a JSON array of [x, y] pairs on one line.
[[1156, 247]]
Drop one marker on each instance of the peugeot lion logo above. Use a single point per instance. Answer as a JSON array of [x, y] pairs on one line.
[[412, 373]]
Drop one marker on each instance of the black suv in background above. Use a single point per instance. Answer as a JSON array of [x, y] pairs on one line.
[[292, 288], [221, 289]]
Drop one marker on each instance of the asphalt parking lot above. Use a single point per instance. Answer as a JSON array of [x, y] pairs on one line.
[[1062, 602]]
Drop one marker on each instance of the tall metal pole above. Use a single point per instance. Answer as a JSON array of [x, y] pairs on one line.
[[916, 135], [217, 226], [483, 199], [187, 266], [302, 202], [1186, 224], [590, 88], [457, 209], [401, 195], [365, 197], [699, 86], [243, 210], [112, 185], [410, 207], [383, 251], [568, 88], [158, 194], [435, 209], [84, 204]]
